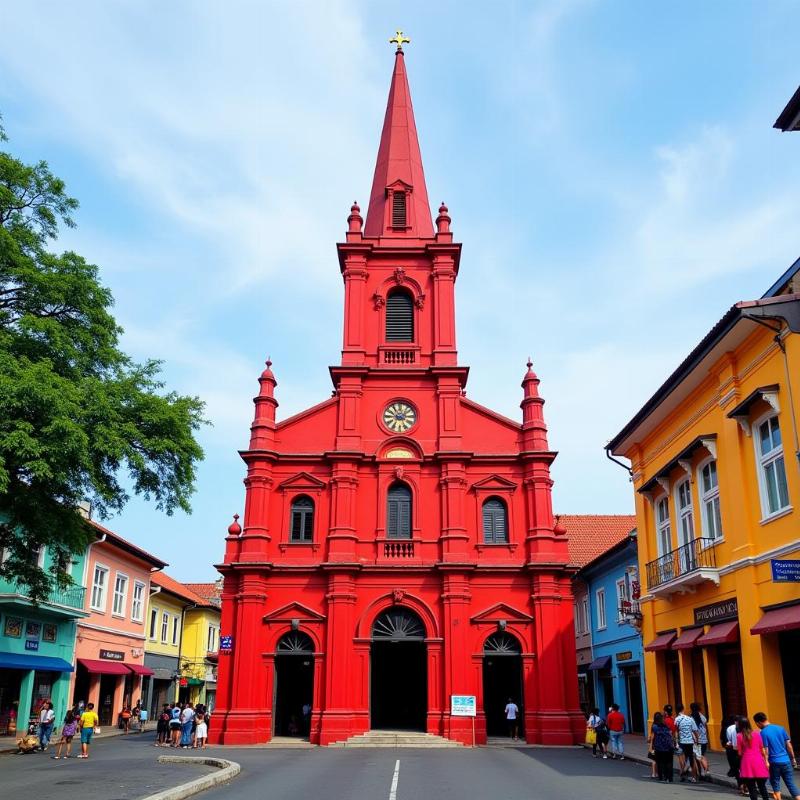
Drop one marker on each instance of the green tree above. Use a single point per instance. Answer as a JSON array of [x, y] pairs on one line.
[[79, 419]]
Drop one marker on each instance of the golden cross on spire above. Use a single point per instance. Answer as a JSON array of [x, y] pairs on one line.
[[399, 40]]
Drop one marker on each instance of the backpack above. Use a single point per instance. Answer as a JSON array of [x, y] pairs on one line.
[[601, 726]]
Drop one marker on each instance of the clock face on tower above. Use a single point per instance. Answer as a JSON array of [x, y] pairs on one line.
[[399, 417]]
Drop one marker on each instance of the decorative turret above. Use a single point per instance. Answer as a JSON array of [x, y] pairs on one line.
[[534, 431], [355, 223], [262, 431], [443, 221], [235, 529]]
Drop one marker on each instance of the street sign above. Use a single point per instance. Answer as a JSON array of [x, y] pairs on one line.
[[785, 570], [31, 644], [226, 643], [462, 705]]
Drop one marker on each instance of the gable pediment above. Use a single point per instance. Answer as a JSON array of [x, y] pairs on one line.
[[292, 611], [498, 611], [303, 480], [494, 482], [399, 183]]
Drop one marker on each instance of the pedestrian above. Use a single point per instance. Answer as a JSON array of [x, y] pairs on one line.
[[662, 746], [67, 733], [307, 719], [511, 712], [780, 754], [616, 728], [125, 718], [601, 732], [727, 738], [187, 723], [754, 768], [47, 718], [686, 735], [88, 722], [162, 727], [701, 747], [136, 716], [175, 725], [591, 732], [201, 731]]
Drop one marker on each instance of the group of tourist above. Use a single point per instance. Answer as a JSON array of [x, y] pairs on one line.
[[79, 720], [606, 735], [183, 725]]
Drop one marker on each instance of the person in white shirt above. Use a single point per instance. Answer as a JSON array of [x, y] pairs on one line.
[[686, 732], [46, 719], [511, 712], [187, 722]]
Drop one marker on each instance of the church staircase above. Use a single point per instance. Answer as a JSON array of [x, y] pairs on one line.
[[396, 739]]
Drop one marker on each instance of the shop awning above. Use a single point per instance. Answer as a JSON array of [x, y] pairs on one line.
[[25, 661], [139, 669], [104, 667], [778, 619], [601, 662], [661, 642], [688, 639], [721, 633]]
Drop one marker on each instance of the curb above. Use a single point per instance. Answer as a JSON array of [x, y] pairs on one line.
[[227, 771]]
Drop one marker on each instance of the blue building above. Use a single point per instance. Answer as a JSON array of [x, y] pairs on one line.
[[612, 588]]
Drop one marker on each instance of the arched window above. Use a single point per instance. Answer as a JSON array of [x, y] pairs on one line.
[[398, 512], [302, 519], [495, 521], [399, 317], [501, 644], [398, 623], [295, 643]]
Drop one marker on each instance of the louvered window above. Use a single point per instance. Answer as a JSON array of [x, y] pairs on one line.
[[399, 210], [399, 318], [398, 512], [302, 519], [495, 522]]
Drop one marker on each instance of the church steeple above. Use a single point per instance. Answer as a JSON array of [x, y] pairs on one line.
[[398, 203]]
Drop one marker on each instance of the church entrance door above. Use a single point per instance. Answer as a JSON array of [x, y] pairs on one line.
[[294, 684], [502, 679], [398, 670]]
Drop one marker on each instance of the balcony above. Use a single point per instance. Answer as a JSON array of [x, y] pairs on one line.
[[682, 569], [406, 355], [398, 549], [57, 601], [71, 597]]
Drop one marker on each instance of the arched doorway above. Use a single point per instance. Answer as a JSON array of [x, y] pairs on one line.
[[502, 678], [294, 684], [398, 670]]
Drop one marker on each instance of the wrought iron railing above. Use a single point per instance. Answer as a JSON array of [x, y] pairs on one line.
[[72, 596], [689, 557], [398, 549]]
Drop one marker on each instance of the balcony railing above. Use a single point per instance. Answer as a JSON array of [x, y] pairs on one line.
[[403, 356], [691, 557], [398, 549], [71, 597]]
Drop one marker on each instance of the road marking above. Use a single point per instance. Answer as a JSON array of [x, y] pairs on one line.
[[395, 778]]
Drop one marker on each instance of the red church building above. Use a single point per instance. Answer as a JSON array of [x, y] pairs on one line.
[[399, 545]]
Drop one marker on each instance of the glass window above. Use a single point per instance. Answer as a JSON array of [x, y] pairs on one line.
[[683, 501], [601, 608], [663, 525], [495, 521], [772, 469], [623, 599], [709, 499], [164, 626], [153, 622], [302, 520], [99, 584], [585, 615], [137, 602], [175, 630], [212, 639], [120, 595]]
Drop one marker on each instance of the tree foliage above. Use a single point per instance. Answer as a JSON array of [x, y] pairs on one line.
[[78, 417]]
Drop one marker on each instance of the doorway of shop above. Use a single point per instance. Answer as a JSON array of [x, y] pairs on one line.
[[398, 671], [502, 679], [633, 690], [108, 685], [294, 685]]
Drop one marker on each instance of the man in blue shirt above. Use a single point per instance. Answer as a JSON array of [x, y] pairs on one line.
[[779, 754]]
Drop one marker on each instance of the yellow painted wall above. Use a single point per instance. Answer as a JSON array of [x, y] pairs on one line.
[[164, 602], [195, 645], [749, 541]]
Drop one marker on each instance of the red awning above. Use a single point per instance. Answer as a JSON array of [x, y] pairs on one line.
[[778, 619], [140, 669], [104, 667], [688, 639], [721, 633], [661, 642]]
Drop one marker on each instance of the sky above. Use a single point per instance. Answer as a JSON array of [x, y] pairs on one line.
[[610, 168]]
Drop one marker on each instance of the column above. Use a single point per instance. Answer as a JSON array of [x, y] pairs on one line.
[[225, 676], [355, 306], [60, 697], [458, 676], [444, 327], [436, 701], [25, 701], [454, 540], [342, 537]]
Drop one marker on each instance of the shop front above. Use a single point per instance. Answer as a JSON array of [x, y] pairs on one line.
[[160, 688]]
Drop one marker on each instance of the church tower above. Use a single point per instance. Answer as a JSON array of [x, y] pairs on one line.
[[399, 545]]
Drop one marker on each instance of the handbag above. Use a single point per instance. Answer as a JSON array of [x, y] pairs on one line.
[[591, 736], [651, 754], [97, 731]]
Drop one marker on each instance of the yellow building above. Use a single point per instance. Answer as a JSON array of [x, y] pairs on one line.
[[200, 645], [716, 467]]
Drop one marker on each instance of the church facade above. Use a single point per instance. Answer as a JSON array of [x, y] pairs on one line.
[[399, 545]]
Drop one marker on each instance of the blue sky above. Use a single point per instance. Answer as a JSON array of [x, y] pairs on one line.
[[610, 168]]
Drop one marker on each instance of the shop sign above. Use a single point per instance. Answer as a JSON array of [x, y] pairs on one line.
[[625, 655], [226, 644], [112, 655], [462, 705], [183, 682], [31, 644], [716, 612], [785, 570]]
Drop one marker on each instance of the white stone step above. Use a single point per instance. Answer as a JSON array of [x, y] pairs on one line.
[[396, 739]]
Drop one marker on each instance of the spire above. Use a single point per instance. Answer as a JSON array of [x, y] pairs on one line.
[[262, 431], [399, 169], [534, 431]]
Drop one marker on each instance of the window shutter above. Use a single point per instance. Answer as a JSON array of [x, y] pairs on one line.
[[398, 516], [302, 520], [399, 318], [495, 527], [488, 524], [391, 525], [399, 210]]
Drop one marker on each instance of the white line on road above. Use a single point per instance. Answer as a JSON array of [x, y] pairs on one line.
[[395, 778]]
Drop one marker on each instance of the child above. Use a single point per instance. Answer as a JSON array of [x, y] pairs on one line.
[[67, 732], [201, 732]]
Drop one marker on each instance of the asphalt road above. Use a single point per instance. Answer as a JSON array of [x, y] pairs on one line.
[[125, 768]]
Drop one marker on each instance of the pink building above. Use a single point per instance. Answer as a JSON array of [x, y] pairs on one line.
[[109, 649]]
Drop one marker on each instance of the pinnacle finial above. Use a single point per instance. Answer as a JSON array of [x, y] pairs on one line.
[[529, 364], [269, 361], [399, 40]]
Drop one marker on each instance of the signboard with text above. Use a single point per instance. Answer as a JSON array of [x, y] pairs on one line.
[[716, 612], [226, 643], [112, 655], [785, 570], [462, 705], [32, 644]]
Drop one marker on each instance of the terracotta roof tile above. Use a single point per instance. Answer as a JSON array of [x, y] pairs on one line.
[[210, 592], [591, 535], [177, 588]]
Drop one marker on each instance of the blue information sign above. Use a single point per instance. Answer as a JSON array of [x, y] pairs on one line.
[[462, 705], [786, 570], [31, 644], [226, 643]]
